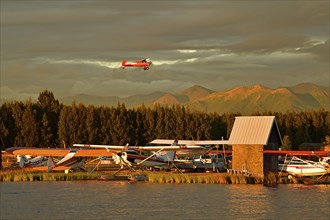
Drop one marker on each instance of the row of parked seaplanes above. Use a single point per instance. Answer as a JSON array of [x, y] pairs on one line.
[[299, 167], [162, 155]]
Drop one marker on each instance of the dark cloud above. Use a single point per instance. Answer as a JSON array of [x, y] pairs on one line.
[[72, 47], [269, 43], [321, 51]]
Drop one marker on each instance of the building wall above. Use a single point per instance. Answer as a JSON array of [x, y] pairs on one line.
[[270, 163], [248, 157], [274, 143]]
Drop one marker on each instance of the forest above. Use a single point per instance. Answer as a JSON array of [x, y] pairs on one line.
[[48, 123]]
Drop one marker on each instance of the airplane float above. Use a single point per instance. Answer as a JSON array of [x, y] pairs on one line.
[[145, 63]]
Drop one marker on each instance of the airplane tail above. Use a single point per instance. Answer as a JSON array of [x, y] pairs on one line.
[[66, 160], [125, 147], [78, 163], [166, 156], [50, 164], [121, 159], [124, 158], [23, 160], [123, 63], [116, 159]]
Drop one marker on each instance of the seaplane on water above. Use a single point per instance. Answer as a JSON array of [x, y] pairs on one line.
[[145, 63], [72, 159]]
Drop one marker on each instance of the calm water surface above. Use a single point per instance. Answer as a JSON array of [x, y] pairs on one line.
[[124, 200]]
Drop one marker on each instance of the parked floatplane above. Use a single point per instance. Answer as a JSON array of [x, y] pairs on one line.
[[299, 167]]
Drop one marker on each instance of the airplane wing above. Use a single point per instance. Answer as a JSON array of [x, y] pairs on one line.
[[296, 153], [56, 152], [166, 148], [140, 148], [110, 147], [212, 142], [189, 142]]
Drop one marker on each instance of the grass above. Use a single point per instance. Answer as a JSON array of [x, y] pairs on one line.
[[26, 175], [207, 178], [23, 175]]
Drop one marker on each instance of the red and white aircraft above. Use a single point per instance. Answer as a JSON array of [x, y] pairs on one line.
[[72, 159], [145, 63]]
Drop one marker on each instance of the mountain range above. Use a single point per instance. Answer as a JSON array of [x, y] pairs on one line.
[[243, 99]]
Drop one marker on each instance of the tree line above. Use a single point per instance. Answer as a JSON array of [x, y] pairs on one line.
[[48, 123]]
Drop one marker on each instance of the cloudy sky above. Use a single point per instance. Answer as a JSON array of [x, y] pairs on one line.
[[74, 47]]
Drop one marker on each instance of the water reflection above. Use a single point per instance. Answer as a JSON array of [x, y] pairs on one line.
[[123, 200], [249, 201], [282, 202]]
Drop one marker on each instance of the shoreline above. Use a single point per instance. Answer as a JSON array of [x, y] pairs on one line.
[[28, 175]]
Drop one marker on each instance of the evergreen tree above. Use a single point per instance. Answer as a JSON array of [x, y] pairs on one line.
[[47, 101], [17, 110], [105, 136], [286, 143], [7, 126], [29, 129], [46, 135], [65, 126], [48, 123], [92, 124], [50, 112], [326, 140]]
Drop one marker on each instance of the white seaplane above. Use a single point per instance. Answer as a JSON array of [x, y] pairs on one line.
[[299, 167]]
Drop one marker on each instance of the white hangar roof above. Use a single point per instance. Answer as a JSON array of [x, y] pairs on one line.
[[253, 130]]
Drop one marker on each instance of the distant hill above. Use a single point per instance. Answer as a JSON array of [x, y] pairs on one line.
[[130, 101], [191, 94], [244, 99], [255, 99], [137, 100], [91, 100], [249, 99], [196, 92]]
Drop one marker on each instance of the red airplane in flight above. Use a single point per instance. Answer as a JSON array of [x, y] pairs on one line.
[[145, 63]]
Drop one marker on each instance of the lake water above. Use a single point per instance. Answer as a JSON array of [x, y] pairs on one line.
[[124, 200]]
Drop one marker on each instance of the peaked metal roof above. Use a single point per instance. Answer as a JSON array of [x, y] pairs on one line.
[[253, 130]]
